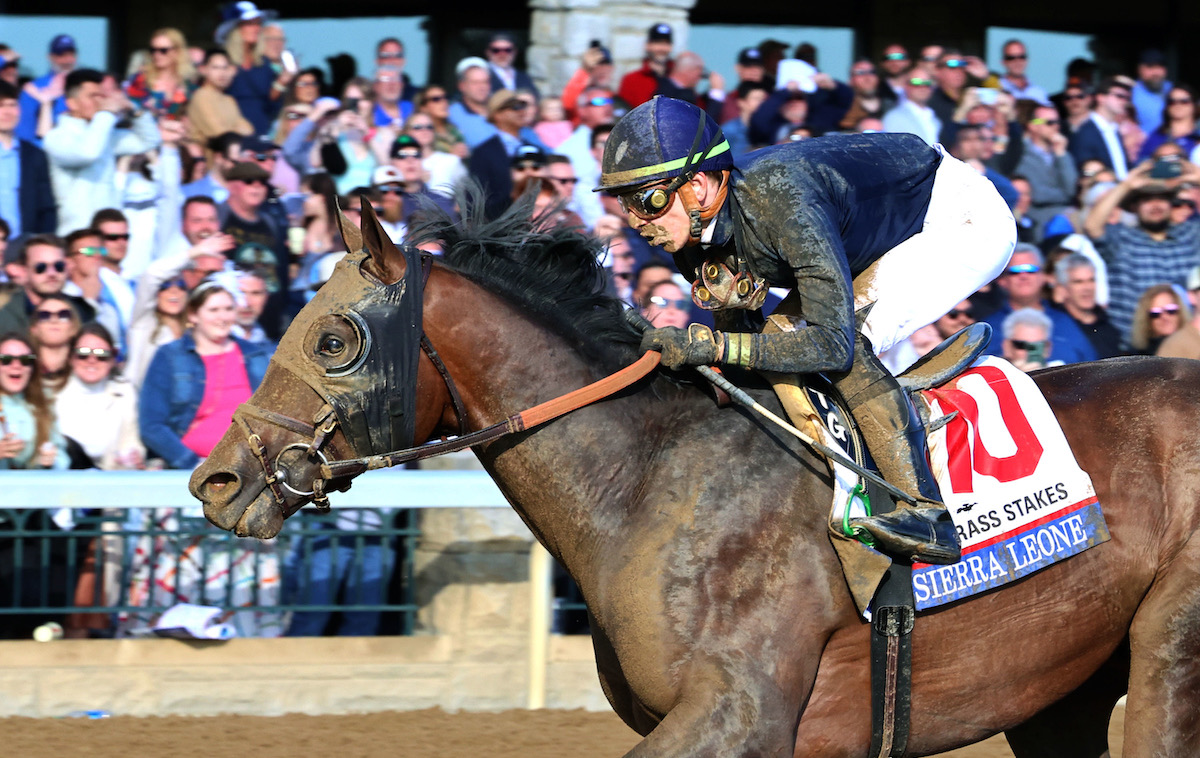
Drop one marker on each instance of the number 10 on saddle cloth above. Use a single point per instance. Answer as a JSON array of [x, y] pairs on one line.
[[1018, 497]]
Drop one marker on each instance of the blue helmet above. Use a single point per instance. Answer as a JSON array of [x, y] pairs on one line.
[[661, 139]]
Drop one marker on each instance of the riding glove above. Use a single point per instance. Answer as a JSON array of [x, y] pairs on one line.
[[695, 347]]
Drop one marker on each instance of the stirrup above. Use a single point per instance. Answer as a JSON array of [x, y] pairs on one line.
[[924, 534]]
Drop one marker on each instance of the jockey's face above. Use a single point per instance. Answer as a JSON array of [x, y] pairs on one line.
[[667, 227]]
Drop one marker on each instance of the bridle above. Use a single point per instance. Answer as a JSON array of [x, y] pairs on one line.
[[335, 412]]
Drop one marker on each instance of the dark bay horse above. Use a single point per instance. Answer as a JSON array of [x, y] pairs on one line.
[[721, 622]]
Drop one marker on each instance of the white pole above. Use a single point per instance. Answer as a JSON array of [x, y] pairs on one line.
[[539, 623]]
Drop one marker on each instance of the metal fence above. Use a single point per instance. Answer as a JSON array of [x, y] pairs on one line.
[[108, 552]]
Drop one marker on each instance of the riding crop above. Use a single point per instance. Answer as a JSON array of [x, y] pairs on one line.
[[742, 398]]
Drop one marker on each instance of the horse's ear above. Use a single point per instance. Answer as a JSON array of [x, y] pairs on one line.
[[388, 260], [350, 235]]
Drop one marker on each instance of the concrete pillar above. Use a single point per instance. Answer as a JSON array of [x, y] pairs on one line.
[[561, 30]]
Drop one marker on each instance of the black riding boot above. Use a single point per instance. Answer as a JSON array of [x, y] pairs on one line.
[[921, 530]]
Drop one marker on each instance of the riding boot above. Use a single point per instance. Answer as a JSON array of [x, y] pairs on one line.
[[920, 530]]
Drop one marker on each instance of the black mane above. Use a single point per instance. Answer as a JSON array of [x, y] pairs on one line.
[[553, 274]]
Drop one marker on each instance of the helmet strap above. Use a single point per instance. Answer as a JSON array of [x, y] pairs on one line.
[[700, 215]]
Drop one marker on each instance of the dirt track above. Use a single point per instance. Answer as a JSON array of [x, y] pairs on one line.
[[411, 734]]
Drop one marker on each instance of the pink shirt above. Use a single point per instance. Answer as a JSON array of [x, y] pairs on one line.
[[226, 386]]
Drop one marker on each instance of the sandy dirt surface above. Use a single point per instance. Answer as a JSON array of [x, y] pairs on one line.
[[412, 734]]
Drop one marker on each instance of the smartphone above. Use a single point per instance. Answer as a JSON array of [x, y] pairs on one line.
[[350, 103], [1036, 352], [987, 95], [1167, 167], [288, 59]]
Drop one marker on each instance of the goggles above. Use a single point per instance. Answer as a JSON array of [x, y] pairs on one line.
[[647, 203]]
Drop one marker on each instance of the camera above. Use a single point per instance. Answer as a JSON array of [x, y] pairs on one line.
[[1167, 167]]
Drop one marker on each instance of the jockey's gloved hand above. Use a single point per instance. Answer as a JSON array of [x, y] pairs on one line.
[[695, 347]]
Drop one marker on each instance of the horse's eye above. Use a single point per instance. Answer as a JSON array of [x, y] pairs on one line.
[[332, 346]]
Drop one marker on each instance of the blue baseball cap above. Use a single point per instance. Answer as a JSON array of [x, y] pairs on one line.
[[63, 43]]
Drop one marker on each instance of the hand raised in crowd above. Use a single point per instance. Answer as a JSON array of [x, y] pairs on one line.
[[1058, 143], [216, 244], [976, 67], [171, 131], [716, 81], [116, 101], [323, 107], [11, 445], [52, 91], [46, 454], [824, 81]]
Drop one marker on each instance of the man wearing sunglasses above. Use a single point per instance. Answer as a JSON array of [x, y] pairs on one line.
[[45, 263], [260, 244], [1015, 81], [109, 295], [501, 53], [1048, 166], [853, 224], [638, 86], [912, 115], [1099, 137]]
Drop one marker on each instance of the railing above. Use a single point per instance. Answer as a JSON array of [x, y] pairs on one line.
[[125, 546]]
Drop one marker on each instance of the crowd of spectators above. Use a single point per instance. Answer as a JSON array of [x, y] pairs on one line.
[[161, 225]]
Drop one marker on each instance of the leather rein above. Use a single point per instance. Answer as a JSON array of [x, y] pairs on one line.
[[325, 423]]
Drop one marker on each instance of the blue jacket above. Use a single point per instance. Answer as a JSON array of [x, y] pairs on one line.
[[1068, 341], [172, 391]]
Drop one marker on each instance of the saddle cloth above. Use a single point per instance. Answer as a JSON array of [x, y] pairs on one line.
[[1016, 494]]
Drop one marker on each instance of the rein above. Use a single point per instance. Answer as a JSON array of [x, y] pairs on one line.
[[326, 421]]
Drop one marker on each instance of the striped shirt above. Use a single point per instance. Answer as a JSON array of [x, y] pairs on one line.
[[1136, 261]]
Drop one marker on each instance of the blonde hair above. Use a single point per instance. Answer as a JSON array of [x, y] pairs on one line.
[[183, 62], [235, 49], [1140, 333]]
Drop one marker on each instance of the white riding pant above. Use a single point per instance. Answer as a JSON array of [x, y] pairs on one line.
[[966, 241]]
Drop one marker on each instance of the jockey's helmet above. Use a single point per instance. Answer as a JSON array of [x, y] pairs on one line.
[[663, 138]]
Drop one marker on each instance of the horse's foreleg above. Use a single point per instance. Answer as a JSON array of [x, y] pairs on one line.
[[727, 714], [1162, 714]]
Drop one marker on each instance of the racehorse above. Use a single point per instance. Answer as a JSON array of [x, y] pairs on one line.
[[721, 621]]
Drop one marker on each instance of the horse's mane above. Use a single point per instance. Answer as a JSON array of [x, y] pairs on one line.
[[550, 272]]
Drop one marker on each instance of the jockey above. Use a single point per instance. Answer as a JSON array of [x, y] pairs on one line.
[[908, 229]]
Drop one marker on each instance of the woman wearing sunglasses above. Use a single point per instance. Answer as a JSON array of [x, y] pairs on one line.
[[54, 323], [97, 408], [167, 79], [813, 216], [434, 102], [1161, 311], [29, 438], [1179, 124]]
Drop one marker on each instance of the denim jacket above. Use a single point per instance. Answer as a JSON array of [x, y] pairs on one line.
[[172, 391]]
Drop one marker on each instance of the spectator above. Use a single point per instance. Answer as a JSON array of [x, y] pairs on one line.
[[501, 54], [26, 195], [1149, 93], [1099, 137], [108, 295], [639, 86], [1160, 312], [164, 85], [596, 70], [446, 170], [585, 147], [896, 69], [257, 87], [1076, 107], [1028, 340], [260, 245], [113, 227], [98, 408], [265, 155], [43, 100], [618, 257], [955, 320], [681, 81], [527, 164], [750, 70], [913, 114], [666, 305], [471, 114], [194, 384], [388, 183], [390, 109], [750, 95], [83, 147], [44, 265], [651, 273], [951, 78], [357, 159], [434, 102], [221, 150], [870, 99], [1185, 342], [552, 126], [29, 438], [1075, 290], [55, 324], [1014, 80], [972, 145], [1149, 252], [1023, 283], [10, 61], [211, 111], [311, 146], [1048, 167], [389, 51], [489, 164], [252, 298], [1178, 124]]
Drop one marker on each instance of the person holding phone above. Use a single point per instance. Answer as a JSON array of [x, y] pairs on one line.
[[1179, 124], [1027, 344]]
